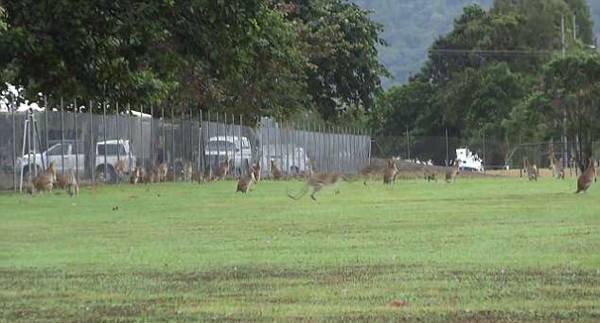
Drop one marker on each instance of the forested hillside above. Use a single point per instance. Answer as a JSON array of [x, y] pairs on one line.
[[411, 26]]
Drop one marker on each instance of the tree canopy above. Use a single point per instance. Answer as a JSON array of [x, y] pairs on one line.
[[253, 57]]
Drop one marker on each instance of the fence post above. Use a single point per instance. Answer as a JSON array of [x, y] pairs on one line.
[[118, 138], [243, 165], [130, 135], [152, 141], [14, 147], [104, 137], [62, 137], [75, 112], [142, 151], [484, 152], [46, 123], [173, 143], [92, 152], [200, 152]]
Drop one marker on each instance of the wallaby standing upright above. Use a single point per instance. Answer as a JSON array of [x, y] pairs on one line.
[[256, 170], [531, 170], [245, 182], [452, 172], [389, 176], [223, 169], [558, 170], [72, 184], [275, 171], [587, 177]]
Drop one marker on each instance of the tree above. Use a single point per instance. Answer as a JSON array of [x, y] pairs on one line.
[[341, 48]]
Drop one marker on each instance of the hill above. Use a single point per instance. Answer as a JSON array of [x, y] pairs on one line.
[[411, 26]]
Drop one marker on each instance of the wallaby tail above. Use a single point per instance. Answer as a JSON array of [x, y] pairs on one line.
[[300, 194]]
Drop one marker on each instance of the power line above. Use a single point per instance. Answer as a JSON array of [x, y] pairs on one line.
[[491, 52]]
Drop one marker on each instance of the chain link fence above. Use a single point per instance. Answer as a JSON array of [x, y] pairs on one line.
[[494, 155], [91, 143]]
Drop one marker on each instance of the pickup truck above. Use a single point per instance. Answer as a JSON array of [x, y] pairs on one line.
[[74, 158]]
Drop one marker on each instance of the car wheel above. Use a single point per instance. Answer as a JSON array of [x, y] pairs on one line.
[[111, 176]]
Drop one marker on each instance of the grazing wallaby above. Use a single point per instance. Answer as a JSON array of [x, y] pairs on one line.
[[197, 177], [44, 181], [317, 182], [245, 182], [389, 176], [72, 184], [531, 170], [151, 176], [61, 181], [275, 171], [452, 172], [120, 168], [208, 174], [587, 177], [223, 169], [256, 170], [135, 176], [429, 174]]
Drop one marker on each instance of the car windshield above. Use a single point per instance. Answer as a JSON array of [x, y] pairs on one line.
[[111, 149], [58, 150], [221, 145]]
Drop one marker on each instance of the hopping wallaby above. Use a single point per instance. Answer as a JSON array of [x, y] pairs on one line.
[[587, 177], [452, 172], [317, 182], [389, 176], [72, 184], [275, 171], [531, 170], [245, 182]]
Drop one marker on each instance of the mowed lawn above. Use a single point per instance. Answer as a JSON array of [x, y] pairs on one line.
[[478, 250]]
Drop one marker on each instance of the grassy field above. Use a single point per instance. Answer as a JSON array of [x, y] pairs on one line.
[[477, 250]]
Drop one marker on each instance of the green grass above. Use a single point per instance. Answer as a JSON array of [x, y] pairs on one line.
[[477, 250]]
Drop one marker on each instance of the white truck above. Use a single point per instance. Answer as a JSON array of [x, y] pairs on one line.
[[238, 149], [69, 154], [468, 161]]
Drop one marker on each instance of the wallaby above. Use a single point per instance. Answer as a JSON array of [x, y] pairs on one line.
[[120, 167], [452, 172], [317, 182], [389, 175], [245, 182], [61, 181], [587, 177], [429, 174], [223, 169], [72, 184], [151, 176], [163, 169], [275, 171], [44, 181], [558, 171], [256, 170], [188, 171], [135, 176], [531, 170]]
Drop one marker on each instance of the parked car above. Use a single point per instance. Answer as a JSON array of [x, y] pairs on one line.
[[238, 149], [74, 158], [290, 159]]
